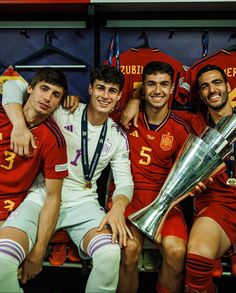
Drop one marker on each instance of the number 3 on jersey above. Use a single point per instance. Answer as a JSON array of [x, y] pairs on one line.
[[9, 157], [145, 153]]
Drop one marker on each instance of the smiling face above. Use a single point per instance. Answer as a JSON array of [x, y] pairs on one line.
[[213, 89], [103, 96], [157, 89], [44, 98]]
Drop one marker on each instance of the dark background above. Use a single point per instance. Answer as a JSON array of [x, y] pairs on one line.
[[70, 280]]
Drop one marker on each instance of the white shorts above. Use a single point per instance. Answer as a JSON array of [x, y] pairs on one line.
[[79, 219], [25, 218], [76, 220]]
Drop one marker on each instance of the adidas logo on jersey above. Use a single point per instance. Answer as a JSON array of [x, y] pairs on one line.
[[69, 128], [134, 133], [150, 137]]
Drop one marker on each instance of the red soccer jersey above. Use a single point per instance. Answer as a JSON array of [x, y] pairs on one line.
[[224, 59], [152, 153], [218, 191], [132, 62], [18, 173]]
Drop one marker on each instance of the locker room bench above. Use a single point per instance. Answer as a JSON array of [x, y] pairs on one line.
[[104, 191], [61, 238]]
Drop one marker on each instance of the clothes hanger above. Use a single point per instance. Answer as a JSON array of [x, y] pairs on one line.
[[232, 47], [205, 43], [171, 33], [145, 44], [49, 49]]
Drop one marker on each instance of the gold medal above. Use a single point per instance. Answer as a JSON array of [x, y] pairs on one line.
[[231, 182], [87, 184]]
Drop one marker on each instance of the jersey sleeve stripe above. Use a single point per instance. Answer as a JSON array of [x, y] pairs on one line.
[[51, 124], [181, 122]]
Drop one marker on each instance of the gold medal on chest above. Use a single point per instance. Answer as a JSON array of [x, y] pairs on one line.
[[87, 185]]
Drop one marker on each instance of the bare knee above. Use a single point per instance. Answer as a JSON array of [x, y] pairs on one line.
[[131, 253], [200, 248], [17, 235], [174, 253]]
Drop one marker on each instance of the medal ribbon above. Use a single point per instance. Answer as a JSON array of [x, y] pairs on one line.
[[89, 170]]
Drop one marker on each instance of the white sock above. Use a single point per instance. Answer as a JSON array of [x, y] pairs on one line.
[[106, 263], [11, 256]]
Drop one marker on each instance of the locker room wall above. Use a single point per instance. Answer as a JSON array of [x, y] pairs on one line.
[[79, 43], [92, 43], [183, 44]]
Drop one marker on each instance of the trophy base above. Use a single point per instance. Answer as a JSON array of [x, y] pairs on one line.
[[157, 237]]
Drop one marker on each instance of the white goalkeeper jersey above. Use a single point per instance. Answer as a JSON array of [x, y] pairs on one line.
[[115, 151]]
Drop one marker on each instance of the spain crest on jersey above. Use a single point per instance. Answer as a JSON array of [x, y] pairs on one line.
[[166, 142]]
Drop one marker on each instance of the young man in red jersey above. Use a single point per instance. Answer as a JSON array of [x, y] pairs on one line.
[[154, 146], [47, 89], [213, 233], [94, 141]]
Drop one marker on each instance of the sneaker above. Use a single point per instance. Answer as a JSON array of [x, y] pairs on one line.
[[60, 236], [152, 259], [57, 255], [217, 268], [73, 254], [140, 261]]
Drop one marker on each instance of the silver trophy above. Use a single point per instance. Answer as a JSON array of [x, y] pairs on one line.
[[200, 158]]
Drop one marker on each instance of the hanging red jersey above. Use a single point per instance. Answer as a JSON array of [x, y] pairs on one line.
[[224, 59], [132, 62]]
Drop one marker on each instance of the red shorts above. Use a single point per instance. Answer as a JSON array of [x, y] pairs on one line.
[[174, 224], [7, 205], [223, 215]]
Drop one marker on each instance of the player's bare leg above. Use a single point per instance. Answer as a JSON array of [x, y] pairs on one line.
[[207, 242], [171, 274], [129, 263]]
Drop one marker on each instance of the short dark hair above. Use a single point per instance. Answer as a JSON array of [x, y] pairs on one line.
[[157, 66], [210, 67], [108, 74], [52, 76]]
